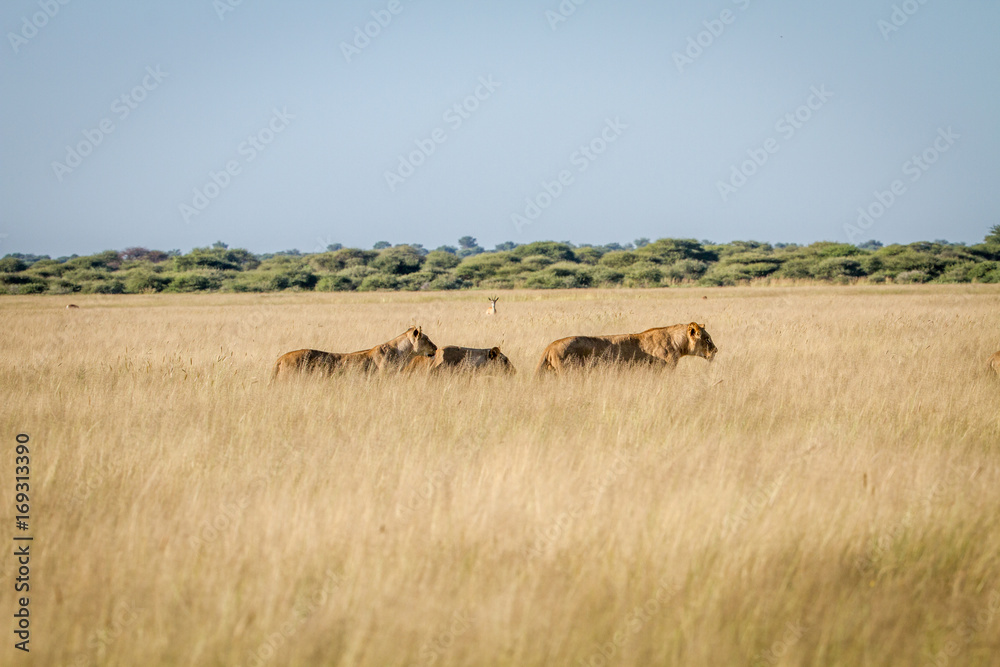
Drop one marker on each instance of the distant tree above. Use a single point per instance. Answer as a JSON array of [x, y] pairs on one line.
[[294, 252], [870, 245], [589, 254], [110, 258], [641, 241], [11, 264], [398, 260], [28, 258], [220, 245], [136, 252], [613, 246], [469, 247], [344, 258], [156, 256], [556, 252], [381, 245], [440, 259], [334, 247], [993, 238], [668, 251], [447, 248], [506, 245], [419, 247]]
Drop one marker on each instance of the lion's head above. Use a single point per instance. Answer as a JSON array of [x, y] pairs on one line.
[[701, 341], [422, 345], [498, 359]]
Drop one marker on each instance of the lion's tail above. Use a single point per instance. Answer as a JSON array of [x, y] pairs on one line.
[[276, 371], [545, 365]]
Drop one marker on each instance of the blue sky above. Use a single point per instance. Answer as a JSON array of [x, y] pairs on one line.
[[284, 125]]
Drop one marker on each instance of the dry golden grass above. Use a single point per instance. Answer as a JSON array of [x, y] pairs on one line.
[[826, 492]]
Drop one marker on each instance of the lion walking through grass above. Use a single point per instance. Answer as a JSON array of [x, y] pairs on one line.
[[394, 353], [660, 346]]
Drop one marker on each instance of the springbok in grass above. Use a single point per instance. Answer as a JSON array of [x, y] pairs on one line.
[[492, 310], [72, 305]]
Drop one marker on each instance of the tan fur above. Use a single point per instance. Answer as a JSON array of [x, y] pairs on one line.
[[663, 346], [451, 357], [392, 354], [995, 362], [492, 310]]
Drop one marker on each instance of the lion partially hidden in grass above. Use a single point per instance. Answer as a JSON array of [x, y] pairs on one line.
[[663, 346], [451, 357], [392, 354]]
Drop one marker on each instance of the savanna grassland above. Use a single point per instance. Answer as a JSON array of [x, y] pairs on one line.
[[827, 491]]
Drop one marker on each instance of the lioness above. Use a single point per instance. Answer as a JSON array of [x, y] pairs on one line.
[[661, 346], [995, 362], [394, 353], [452, 357]]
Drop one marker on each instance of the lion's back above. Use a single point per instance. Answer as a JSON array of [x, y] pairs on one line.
[[306, 360]]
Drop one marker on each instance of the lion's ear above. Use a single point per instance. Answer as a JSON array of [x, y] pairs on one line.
[[692, 330], [702, 326], [416, 332], [494, 353]]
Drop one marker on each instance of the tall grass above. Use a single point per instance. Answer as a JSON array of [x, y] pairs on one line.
[[826, 492]]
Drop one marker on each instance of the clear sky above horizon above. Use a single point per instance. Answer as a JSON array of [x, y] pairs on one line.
[[273, 126]]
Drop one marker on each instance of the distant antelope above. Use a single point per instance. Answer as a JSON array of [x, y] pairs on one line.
[[492, 310], [72, 305]]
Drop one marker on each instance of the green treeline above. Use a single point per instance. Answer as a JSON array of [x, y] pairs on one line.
[[543, 264]]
